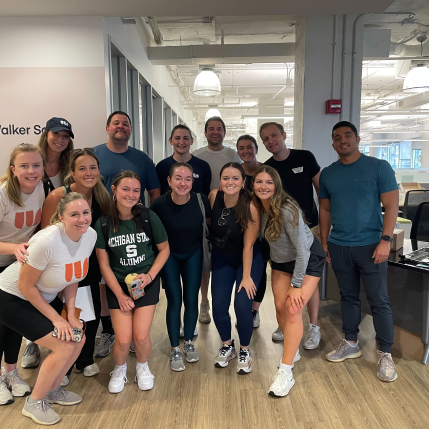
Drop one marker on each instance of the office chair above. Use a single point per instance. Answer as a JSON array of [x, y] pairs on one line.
[[420, 226], [412, 201]]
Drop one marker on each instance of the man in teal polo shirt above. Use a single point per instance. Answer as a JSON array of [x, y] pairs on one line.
[[352, 190]]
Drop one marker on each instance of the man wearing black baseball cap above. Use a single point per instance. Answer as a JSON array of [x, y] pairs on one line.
[[59, 124]]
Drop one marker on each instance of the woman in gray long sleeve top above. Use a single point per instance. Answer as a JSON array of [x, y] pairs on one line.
[[297, 261]]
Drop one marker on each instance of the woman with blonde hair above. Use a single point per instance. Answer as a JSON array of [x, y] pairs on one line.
[[21, 201], [84, 177], [297, 261], [57, 260]]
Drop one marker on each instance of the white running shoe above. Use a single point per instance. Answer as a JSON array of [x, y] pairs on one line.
[[118, 378], [282, 383], [65, 381], [91, 370], [296, 358], [5, 395], [16, 384], [244, 364], [144, 377], [226, 353], [277, 335]]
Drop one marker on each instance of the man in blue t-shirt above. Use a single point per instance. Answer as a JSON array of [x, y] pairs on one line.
[[116, 156], [351, 192]]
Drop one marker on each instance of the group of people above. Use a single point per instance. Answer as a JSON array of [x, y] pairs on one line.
[[73, 218]]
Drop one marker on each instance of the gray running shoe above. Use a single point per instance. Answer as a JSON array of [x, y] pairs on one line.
[[104, 346], [256, 319], [65, 381], [176, 360], [6, 397], [63, 397], [244, 365], [41, 412], [91, 370], [16, 385], [282, 383], [31, 357], [387, 370], [190, 352], [132, 347], [226, 353], [312, 340], [344, 351], [204, 316], [277, 335]]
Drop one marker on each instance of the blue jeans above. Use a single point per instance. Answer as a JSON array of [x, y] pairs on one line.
[[227, 269], [350, 264], [189, 268]]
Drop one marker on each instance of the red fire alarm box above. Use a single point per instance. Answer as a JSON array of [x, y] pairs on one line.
[[333, 106]]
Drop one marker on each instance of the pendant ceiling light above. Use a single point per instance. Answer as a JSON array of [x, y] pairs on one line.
[[212, 112], [417, 79], [207, 84]]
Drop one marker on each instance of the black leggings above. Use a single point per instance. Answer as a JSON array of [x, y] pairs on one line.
[[260, 292], [10, 341]]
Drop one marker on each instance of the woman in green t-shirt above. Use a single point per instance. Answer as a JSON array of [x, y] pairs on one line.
[[125, 246]]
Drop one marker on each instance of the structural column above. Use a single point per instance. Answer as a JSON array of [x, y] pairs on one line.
[[328, 65]]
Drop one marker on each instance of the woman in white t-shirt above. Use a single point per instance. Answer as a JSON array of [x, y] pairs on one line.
[[57, 145], [21, 201], [58, 258]]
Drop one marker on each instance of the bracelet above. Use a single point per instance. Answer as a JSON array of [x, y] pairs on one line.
[[151, 279]]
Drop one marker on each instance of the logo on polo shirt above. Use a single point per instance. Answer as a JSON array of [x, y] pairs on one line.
[[196, 176], [298, 170], [80, 270], [27, 218]]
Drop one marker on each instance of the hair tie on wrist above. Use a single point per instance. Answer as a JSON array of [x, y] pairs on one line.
[[151, 279]]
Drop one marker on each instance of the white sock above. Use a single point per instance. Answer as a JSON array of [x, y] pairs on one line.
[[28, 342], [142, 365], [287, 368], [124, 366], [315, 327], [352, 344]]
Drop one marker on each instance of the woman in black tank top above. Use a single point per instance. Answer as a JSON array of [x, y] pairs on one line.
[[236, 258], [84, 178]]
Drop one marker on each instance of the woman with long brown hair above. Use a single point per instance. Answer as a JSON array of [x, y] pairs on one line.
[[131, 240], [297, 262]]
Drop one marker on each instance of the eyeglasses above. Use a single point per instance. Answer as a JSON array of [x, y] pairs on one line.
[[89, 149], [222, 221]]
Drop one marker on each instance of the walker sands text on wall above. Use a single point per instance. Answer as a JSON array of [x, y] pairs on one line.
[[13, 130]]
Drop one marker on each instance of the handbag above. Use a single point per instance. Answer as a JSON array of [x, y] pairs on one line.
[[207, 251]]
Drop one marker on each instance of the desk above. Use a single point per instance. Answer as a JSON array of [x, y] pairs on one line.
[[408, 288]]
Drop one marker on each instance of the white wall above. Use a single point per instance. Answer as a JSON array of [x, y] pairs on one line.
[[51, 67]]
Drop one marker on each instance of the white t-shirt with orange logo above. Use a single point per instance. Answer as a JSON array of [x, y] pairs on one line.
[[17, 224], [61, 260]]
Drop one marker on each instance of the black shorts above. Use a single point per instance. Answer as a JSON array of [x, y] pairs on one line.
[[316, 262], [21, 316], [151, 296]]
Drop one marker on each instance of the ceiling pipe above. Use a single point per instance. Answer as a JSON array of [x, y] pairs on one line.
[[352, 89]]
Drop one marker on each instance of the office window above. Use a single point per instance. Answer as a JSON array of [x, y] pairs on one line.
[[416, 161]]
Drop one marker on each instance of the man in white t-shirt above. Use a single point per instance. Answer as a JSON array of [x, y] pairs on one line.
[[216, 155]]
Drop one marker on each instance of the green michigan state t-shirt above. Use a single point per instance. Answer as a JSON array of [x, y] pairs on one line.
[[131, 252]]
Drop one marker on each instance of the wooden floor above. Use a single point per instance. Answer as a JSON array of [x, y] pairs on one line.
[[326, 395]]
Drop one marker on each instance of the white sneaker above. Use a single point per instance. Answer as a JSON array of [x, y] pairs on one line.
[[118, 378], [144, 377], [91, 370], [312, 340], [282, 383], [15, 384], [5, 395], [244, 365], [296, 358], [182, 331], [65, 381], [277, 335]]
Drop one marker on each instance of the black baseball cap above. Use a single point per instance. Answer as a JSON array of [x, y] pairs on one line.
[[59, 124]]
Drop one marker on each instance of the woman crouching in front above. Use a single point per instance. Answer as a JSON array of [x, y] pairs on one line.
[[57, 261], [297, 261], [131, 240]]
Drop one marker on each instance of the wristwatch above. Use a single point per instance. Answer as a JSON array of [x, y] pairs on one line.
[[387, 238]]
